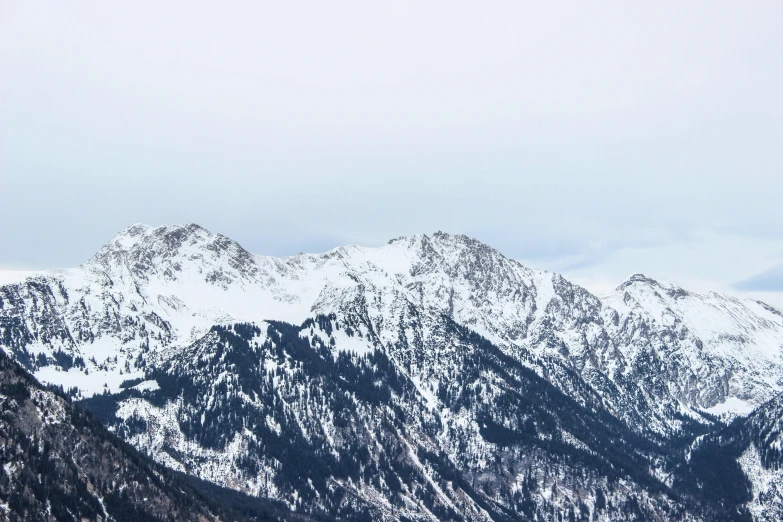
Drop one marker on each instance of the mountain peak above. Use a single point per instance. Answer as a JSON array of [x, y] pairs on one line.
[[642, 282], [451, 249], [128, 236], [637, 278], [140, 233], [172, 247]]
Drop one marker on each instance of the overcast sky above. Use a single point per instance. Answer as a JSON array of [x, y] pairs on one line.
[[596, 139]]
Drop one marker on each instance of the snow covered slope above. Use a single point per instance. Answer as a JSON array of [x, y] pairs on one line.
[[283, 412], [713, 351]]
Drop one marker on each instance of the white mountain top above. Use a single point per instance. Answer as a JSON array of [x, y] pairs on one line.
[[711, 317], [150, 291], [740, 340]]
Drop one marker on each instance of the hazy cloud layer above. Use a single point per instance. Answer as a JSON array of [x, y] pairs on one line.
[[570, 134], [767, 281]]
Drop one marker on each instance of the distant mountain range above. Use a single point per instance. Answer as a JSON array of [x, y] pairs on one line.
[[431, 378]]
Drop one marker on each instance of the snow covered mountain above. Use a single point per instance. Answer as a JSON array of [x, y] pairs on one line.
[[149, 289], [447, 323], [279, 411], [714, 351]]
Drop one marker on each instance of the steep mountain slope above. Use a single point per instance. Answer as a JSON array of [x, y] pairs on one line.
[[761, 434], [59, 463], [283, 412], [710, 351], [743, 462]]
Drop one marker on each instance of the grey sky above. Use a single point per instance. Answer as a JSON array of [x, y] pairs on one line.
[[594, 138]]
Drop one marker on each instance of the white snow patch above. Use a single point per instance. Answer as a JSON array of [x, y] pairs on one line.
[[150, 385], [731, 407]]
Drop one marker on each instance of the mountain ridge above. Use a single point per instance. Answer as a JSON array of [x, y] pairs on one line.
[[161, 268]]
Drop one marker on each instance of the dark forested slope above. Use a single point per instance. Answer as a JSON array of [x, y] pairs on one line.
[[60, 463]]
